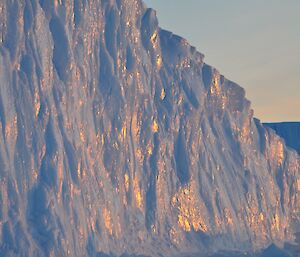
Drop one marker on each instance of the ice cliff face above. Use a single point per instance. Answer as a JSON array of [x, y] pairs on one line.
[[117, 138], [289, 131]]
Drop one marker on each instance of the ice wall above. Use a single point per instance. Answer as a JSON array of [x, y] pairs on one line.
[[116, 138]]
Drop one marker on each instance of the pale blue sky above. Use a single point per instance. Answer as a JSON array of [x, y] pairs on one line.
[[255, 43]]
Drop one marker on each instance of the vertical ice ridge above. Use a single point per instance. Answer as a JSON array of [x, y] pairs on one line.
[[117, 138]]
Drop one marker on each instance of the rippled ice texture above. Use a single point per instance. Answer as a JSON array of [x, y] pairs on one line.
[[117, 138]]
